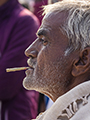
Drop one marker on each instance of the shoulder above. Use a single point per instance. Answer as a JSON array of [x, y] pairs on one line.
[[25, 13], [74, 105], [21, 14]]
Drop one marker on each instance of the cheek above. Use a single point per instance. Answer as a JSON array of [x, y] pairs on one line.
[[48, 62], [43, 57]]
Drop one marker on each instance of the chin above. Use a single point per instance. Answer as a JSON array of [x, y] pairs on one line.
[[29, 84], [26, 84]]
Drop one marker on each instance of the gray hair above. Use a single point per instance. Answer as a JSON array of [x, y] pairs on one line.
[[77, 24]]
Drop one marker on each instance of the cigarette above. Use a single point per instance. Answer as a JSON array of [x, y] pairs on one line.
[[16, 69]]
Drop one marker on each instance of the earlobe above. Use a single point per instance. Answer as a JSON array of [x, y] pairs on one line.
[[82, 64]]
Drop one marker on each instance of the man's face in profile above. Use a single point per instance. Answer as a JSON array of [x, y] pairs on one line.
[[49, 67]]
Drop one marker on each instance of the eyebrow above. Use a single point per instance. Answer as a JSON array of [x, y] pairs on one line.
[[41, 32]]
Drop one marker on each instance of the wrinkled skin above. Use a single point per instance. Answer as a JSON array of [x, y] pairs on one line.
[[50, 72]]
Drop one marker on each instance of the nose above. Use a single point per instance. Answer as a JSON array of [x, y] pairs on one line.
[[31, 51]]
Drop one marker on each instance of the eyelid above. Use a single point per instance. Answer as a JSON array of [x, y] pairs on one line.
[[42, 38], [44, 41]]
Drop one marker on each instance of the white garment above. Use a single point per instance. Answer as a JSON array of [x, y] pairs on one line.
[[74, 105]]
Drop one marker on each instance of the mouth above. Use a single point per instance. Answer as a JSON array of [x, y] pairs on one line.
[[29, 71], [31, 63]]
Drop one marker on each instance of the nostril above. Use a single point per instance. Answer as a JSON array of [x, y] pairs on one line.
[[32, 53]]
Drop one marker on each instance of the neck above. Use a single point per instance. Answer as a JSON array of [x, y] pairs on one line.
[[53, 94], [56, 93], [78, 81], [3, 2]]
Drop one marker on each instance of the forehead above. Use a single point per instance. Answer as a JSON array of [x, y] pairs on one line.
[[55, 18], [52, 22], [50, 28]]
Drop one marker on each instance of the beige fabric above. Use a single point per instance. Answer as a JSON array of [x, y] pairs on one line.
[[74, 105]]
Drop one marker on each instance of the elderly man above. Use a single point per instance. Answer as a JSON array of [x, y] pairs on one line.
[[59, 61]]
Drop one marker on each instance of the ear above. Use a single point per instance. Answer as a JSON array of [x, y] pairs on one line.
[[82, 64]]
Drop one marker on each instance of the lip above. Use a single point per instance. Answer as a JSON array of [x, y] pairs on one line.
[[29, 71], [31, 63]]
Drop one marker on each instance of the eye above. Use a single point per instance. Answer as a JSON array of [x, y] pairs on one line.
[[44, 42]]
